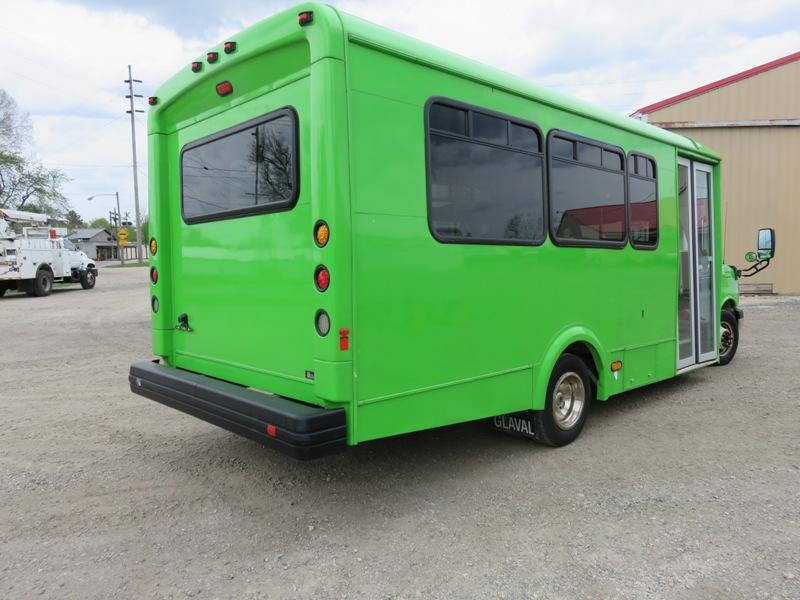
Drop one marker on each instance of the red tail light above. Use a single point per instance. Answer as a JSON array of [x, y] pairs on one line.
[[224, 88], [229, 47], [322, 278], [196, 66], [212, 57], [154, 275], [305, 17]]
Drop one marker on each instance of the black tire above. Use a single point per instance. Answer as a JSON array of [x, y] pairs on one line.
[[88, 279], [2, 292], [729, 337], [569, 373], [43, 284]]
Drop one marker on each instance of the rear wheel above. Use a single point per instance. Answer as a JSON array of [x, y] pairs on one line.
[[2, 291], [88, 279], [728, 337], [569, 395], [43, 284]]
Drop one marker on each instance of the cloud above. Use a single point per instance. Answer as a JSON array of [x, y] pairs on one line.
[[67, 71]]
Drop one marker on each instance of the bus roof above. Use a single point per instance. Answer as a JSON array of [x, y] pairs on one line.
[[331, 24]]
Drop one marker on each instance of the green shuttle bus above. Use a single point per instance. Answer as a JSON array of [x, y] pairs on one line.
[[357, 235]]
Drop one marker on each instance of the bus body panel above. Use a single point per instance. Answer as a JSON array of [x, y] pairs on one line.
[[458, 331]]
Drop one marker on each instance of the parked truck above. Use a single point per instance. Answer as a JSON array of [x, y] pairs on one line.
[[34, 255]]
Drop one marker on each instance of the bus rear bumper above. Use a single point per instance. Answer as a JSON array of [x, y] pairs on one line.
[[294, 428]]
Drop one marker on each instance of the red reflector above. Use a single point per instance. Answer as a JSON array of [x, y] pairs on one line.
[[344, 339], [272, 431], [305, 17], [229, 47], [322, 278], [224, 88], [152, 100], [196, 66], [212, 57]]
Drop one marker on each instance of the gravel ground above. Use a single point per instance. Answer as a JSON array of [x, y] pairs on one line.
[[686, 489]]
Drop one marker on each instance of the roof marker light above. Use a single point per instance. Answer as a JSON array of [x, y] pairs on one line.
[[152, 100], [305, 17], [212, 57], [197, 66], [229, 47], [224, 88]]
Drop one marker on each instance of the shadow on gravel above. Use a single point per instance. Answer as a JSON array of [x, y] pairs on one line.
[[24, 296]]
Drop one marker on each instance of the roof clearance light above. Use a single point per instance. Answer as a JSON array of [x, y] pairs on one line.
[[212, 57], [153, 246], [321, 234], [224, 88], [305, 17], [229, 47], [152, 100], [197, 66], [322, 278]]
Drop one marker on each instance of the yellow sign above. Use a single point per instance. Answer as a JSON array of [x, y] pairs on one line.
[[122, 235]]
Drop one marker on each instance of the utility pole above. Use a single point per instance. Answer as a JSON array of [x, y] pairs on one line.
[[130, 81]]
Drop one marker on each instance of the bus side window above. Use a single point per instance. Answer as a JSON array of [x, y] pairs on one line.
[[587, 192], [642, 201]]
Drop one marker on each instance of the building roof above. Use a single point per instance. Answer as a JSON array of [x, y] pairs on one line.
[[718, 84], [87, 234]]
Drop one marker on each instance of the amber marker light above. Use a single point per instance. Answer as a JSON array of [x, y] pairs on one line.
[[321, 233], [616, 366], [153, 246]]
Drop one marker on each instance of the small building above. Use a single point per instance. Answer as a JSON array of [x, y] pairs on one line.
[[752, 119], [98, 244]]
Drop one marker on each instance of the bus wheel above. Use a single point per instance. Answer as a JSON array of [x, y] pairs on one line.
[[569, 395], [43, 284], [728, 338]]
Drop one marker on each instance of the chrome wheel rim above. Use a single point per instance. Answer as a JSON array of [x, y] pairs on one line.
[[569, 399], [725, 338]]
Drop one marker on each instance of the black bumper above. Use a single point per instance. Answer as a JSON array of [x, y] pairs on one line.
[[299, 430]]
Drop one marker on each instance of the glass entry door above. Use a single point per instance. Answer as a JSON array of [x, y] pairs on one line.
[[697, 318]]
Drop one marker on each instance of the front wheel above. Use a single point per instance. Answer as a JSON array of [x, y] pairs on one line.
[[88, 279], [728, 337], [569, 396]]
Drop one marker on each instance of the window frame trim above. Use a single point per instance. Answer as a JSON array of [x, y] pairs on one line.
[[466, 138], [258, 209], [639, 245], [571, 243]]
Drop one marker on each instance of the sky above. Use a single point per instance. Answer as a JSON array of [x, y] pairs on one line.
[[64, 61]]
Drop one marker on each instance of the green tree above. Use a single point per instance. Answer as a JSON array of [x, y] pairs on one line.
[[25, 184], [73, 220], [101, 223]]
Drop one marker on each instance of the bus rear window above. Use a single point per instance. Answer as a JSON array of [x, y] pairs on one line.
[[245, 170]]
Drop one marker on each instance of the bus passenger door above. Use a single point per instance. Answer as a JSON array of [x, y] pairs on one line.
[[697, 318]]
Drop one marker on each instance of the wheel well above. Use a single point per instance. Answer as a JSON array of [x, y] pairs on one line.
[[729, 304], [47, 268], [585, 352]]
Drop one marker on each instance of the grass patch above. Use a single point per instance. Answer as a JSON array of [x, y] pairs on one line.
[[127, 265]]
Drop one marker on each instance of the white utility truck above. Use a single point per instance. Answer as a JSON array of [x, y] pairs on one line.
[[33, 255]]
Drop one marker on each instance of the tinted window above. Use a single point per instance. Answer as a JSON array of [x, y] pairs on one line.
[[643, 201], [644, 211], [587, 202], [489, 128], [447, 118], [562, 147], [248, 171], [479, 192], [612, 160], [589, 154], [525, 138]]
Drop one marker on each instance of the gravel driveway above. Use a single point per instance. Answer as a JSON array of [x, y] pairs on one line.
[[686, 489]]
